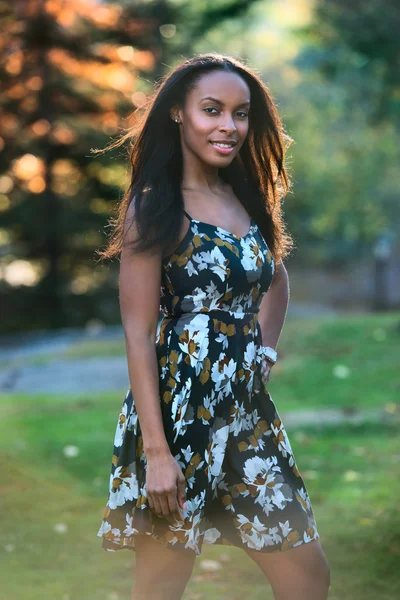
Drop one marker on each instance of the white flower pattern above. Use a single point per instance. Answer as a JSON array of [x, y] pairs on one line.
[[243, 487]]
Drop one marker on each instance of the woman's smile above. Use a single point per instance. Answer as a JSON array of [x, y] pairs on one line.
[[223, 148]]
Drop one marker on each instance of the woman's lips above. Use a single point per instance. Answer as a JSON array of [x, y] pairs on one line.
[[222, 150]]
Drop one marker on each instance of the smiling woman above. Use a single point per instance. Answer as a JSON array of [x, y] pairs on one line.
[[225, 146], [201, 115], [200, 453], [223, 101]]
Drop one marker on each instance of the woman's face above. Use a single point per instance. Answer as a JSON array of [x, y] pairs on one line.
[[216, 111]]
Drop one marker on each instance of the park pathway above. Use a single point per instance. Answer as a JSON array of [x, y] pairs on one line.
[[34, 363]]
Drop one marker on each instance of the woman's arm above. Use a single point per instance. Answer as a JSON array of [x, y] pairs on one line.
[[273, 307], [139, 297], [139, 287]]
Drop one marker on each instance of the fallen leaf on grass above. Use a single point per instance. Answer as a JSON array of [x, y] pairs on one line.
[[391, 408], [366, 521], [224, 557], [71, 451], [210, 565], [60, 528], [351, 476], [341, 371]]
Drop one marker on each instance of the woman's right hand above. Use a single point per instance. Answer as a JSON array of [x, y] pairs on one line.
[[166, 487]]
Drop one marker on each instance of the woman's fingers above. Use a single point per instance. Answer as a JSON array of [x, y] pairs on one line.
[[265, 370], [157, 505], [164, 505], [174, 507]]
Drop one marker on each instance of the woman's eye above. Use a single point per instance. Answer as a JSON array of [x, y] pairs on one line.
[[244, 114]]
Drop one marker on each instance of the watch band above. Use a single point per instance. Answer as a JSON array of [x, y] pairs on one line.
[[270, 353]]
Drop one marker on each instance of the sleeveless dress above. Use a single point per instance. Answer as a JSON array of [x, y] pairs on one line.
[[243, 487]]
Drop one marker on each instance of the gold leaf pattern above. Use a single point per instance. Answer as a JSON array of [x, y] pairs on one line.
[[219, 420]]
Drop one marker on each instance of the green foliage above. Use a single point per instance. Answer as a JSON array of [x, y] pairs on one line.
[[345, 122], [357, 44]]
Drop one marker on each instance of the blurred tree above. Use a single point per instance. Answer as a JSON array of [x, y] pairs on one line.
[[70, 71], [346, 123], [357, 43]]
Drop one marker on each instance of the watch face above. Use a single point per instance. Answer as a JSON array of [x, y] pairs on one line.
[[270, 352]]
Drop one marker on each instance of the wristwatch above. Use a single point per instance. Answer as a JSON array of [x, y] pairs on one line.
[[269, 353]]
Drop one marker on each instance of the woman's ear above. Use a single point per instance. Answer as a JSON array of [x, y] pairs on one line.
[[174, 113]]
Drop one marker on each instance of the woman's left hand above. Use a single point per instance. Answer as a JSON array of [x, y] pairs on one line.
[[265, 370]]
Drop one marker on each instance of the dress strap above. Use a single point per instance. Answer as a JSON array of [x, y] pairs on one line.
[[188, 216]]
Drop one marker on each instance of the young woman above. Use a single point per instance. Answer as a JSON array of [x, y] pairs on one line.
[[200, 452]]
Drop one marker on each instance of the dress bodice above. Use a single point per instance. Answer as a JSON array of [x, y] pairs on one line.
[[214, 269]]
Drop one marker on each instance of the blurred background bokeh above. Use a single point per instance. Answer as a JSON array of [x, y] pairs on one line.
[[72, 74]]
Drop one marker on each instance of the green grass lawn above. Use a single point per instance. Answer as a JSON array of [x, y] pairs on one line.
[[352, 475], [343, 362], [51, 506]]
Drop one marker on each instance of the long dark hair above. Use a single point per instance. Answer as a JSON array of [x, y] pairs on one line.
[[257, 174]]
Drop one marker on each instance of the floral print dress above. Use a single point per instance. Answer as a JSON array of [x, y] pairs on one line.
[[243, 487]]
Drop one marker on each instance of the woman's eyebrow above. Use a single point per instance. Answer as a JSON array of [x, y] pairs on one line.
[[220, 102]]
